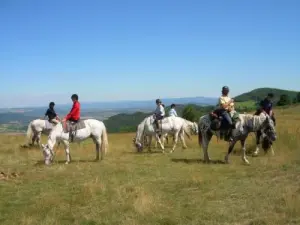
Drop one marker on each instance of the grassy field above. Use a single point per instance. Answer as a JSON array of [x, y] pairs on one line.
[[246, 104], [129, 188]]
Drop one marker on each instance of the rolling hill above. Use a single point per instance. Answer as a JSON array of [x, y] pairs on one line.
[[259, 93]]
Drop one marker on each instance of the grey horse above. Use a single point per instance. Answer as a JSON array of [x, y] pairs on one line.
[[245, 124]]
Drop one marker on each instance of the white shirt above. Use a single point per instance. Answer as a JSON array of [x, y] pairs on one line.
[[160, 110], [172, 112]]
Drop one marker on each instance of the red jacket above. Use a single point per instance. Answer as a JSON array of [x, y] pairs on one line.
[[75, 112]]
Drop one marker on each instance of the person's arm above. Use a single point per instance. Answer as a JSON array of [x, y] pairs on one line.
[[175, 112], [223, 104], [56, 116], [162, 111]]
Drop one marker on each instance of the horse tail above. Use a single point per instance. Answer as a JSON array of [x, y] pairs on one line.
[[104, 146], [29, 132]]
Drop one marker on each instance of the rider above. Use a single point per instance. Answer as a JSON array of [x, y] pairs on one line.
[[74, 114], [225, 104], [52, 116], [159, 113], [267, 105], [172, 111]]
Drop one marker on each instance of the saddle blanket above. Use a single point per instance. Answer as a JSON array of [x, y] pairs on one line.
[[71, 126]]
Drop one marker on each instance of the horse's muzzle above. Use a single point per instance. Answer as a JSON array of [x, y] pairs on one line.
[[139, 147], [273, 137]]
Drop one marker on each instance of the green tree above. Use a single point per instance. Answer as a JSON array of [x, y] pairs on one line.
[[298, 97], [284, 100], [189, 113]]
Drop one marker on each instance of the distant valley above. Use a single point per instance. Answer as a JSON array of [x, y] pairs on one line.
[[17, 119]]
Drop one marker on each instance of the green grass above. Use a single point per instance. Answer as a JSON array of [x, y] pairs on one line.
[[130, 188], [249, 104]]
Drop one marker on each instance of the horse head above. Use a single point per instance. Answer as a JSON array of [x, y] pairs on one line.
[[138, 145], [268, 129], [195, 128], [47, 152]]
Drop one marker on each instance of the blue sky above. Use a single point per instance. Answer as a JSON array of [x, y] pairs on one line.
[[133, 49]]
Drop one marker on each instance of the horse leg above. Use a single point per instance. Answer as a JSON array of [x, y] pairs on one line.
[[67, 150], [158, 140], [175, 142], [206, 137], [257, 135], [97, 152], [182, 140], [272, 150], [149, 143], [244, 158], [230, 148], [38, 138], [52, 155], [34, 136]]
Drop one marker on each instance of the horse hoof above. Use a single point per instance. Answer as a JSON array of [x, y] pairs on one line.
[[246, 161], [226, 160], [254, 155], [67, 163]]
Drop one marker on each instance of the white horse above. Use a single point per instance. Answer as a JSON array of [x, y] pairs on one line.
[[36, 128], [190, 128], [94, 129], [171, 125], [247, 123]]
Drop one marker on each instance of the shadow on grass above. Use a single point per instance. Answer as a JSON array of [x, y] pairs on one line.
[[142, 153], [189, 161], [42, 162], [29, 147]]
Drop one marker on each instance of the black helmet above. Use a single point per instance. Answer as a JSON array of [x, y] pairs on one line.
[[74, 96], [51, 104], [271, 95], [158, 101], [173, 105], [225, 88]]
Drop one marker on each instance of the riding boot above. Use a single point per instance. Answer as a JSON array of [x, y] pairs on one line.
[[71, 136], [157, 126]]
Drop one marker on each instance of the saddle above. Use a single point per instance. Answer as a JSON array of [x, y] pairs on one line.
[[216, 120], [72, 128], [220, 125]]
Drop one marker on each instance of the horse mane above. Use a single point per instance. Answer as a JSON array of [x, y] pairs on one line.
[[253, 121]]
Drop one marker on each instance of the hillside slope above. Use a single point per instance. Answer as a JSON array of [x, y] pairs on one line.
[[128, 122], [260, 93]]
